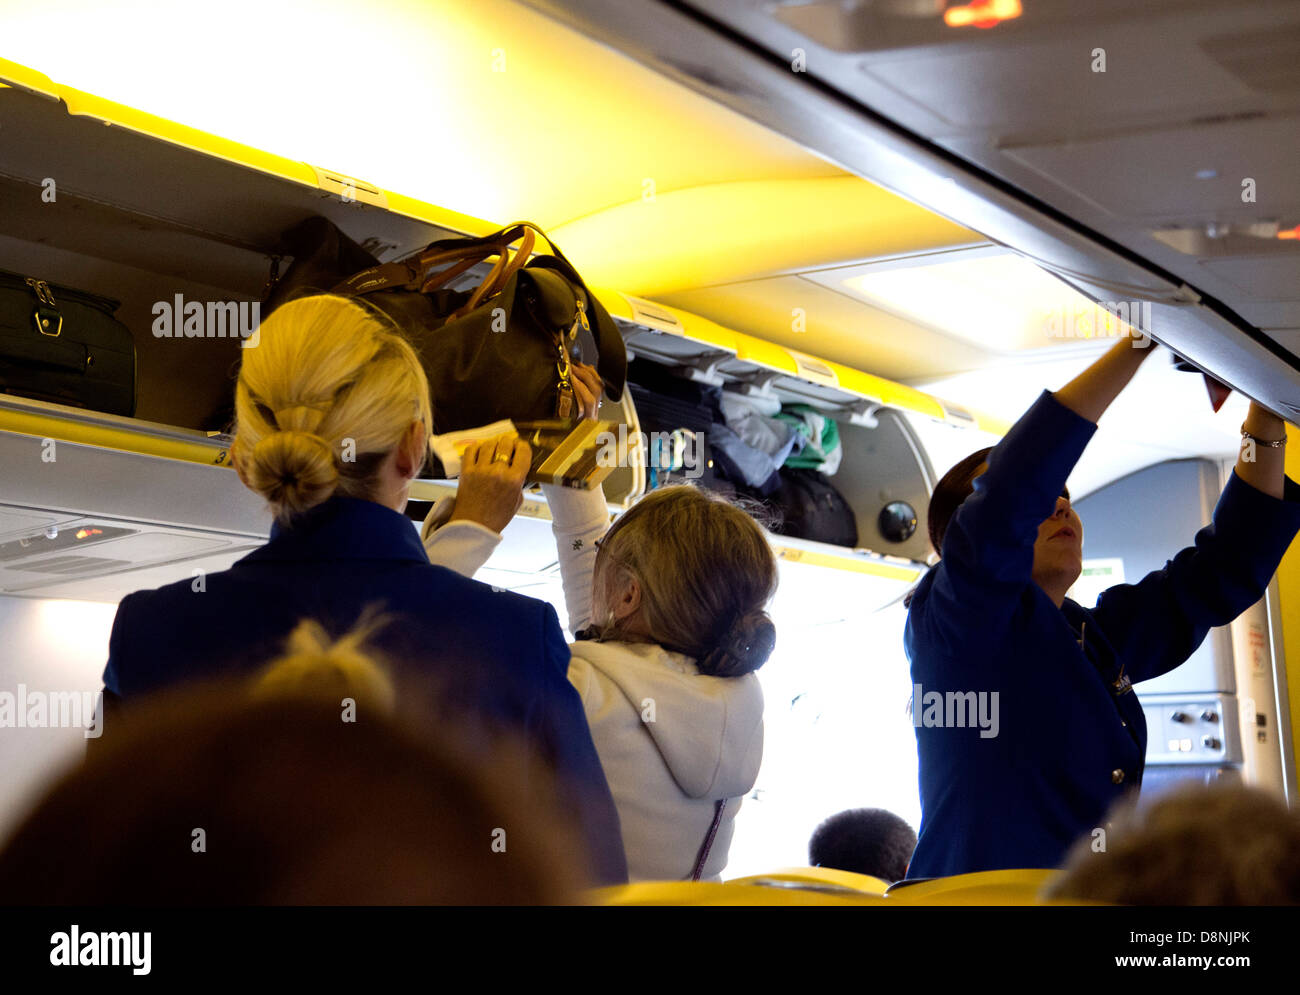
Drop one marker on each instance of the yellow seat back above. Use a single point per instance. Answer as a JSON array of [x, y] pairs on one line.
[[1004, 887], [730, 893], [826, 877]]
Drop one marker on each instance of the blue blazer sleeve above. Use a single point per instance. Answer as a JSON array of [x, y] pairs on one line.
[[988, 550], [110, 702], [1157, 623], [567, 739], [123, 622]]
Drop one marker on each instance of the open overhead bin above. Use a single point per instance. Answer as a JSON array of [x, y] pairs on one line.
[[884, 472], [99, 196], [106, 199], [711, 352]]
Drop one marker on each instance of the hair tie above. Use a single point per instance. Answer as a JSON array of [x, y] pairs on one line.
[[272, 415], [308, 405]]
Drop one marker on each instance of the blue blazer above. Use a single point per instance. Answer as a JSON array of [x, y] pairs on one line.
[[1071, 735], [499, 658]]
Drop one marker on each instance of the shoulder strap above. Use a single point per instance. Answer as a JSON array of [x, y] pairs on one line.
[[703, 857]]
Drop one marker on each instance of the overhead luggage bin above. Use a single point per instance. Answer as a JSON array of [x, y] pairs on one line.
[[141, 209], [41, 420], [884, 464], [106, 199], [713, 353], [327, 182], [145, 209]]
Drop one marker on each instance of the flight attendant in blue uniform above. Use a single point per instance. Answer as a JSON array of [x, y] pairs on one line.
[[1044, 732], [333, 416]]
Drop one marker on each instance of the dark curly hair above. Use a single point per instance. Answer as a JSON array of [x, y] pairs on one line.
[[866, 841]]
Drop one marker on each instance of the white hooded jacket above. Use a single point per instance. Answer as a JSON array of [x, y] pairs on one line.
[[673, 742]]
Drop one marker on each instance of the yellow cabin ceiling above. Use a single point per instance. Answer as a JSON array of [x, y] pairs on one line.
[[724, 232], [484, 107], [836, 327], [492, 110]]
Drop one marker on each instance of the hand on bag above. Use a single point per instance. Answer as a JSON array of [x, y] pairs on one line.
[[491, 481], [587, 388]]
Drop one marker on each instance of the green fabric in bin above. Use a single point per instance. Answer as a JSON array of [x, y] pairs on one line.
[[822, 450]]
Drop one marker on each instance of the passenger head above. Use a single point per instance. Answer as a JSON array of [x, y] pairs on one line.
[[275, 794], [331, 400], [1058, 549], [1222, 845], [691, 572], [317, 667], [865, 841]]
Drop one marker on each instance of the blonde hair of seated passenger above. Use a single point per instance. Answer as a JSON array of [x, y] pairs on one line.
[[316, 667], [326, 394], [1221, 844]]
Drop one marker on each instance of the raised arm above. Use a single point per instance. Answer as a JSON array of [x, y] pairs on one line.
[[461, 533], [578, 519], [1260, 461], [988, 550], [1090, 393], [1157, 623]]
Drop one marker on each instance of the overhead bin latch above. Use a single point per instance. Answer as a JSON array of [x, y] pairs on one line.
[[704, 369], [759, 382], [862, 411], [955, 414], [349, 189]]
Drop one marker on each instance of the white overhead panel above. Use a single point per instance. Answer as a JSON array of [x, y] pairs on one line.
[[1177, 174], [987, 296], [93, 523], [1076, 133]]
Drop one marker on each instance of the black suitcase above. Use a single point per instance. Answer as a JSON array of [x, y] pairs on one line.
[[64, 345], [676, 416], [674, 441], [810, 507]]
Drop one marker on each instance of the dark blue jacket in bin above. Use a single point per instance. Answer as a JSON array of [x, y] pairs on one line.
[[499, 658], [1071, 736]]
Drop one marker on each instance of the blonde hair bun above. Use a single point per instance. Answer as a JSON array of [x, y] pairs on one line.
[[327, 378], [293, 470]]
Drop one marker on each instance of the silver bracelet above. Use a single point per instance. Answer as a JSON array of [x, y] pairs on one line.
[[1273, 444]]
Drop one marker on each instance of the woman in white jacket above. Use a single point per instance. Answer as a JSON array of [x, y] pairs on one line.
[[668, 609]]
